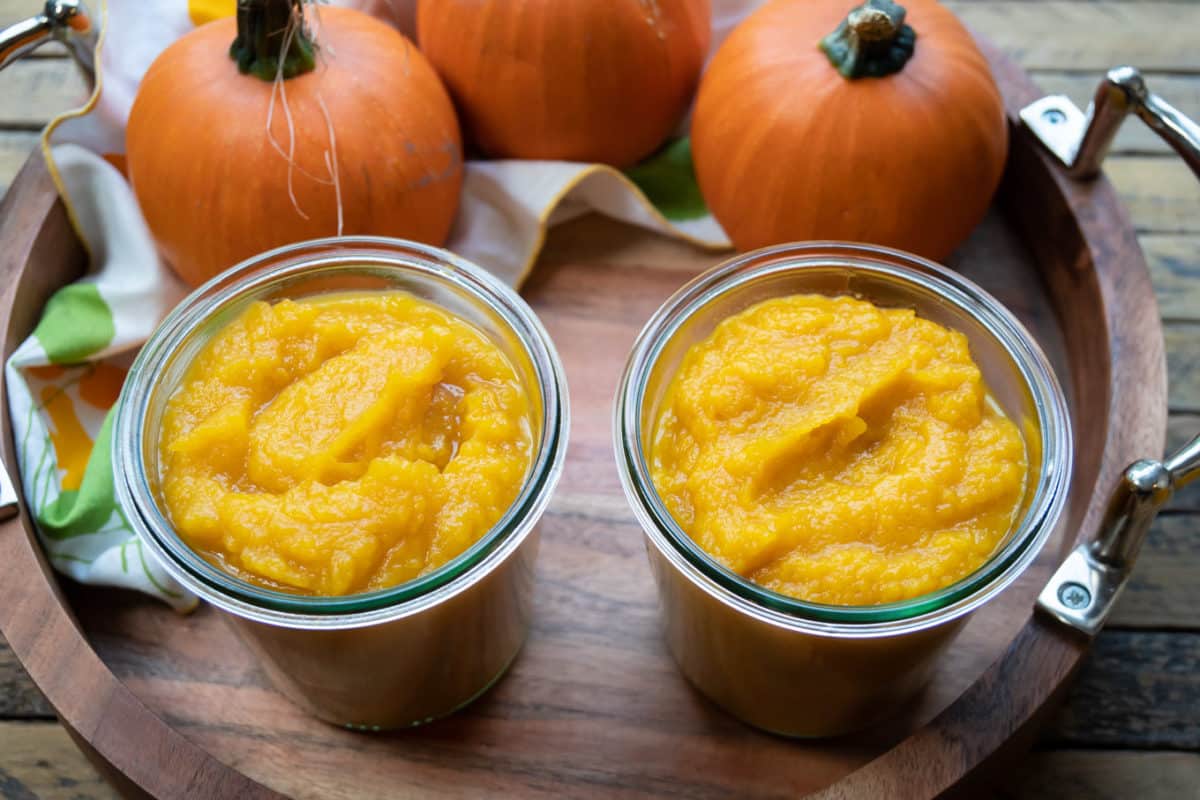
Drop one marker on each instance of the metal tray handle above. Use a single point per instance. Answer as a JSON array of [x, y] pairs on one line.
[[1083, 590], [1081, 141], [66, 21]]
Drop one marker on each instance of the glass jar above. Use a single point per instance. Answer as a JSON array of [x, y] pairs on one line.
[[806, 669], [393, 657]]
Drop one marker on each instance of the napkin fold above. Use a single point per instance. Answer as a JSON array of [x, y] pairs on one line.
[[64, 379]]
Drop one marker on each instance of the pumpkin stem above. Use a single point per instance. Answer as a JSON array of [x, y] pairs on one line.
[[270, 32], [873, 41]]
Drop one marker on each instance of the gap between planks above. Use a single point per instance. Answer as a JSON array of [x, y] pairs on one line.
[[19, 698], [1102, 775], [37, 90], [1135, 690], [1174, 261], [1164, 593], [38, 761], [1182, 339], [1078, 36]]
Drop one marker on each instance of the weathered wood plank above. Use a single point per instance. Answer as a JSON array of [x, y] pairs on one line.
[[1174, 261], [1103, 775], [1136, 689], [39, 762], [1164, 591], [1180, 430], [1089, 36], [14, 149], [14, 10], [1182, 91], [1183, 366], [1161, 194], [37, 90], [18, 696]]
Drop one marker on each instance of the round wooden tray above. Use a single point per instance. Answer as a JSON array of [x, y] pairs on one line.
[[174, 706]]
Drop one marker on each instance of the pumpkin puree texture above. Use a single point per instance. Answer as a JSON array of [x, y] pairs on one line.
[[837, 452], [343, 443]]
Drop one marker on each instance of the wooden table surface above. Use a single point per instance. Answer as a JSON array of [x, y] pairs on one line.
[[1131, 724]]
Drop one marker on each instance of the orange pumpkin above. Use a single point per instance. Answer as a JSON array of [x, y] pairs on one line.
[[221, 174], [812, 123], [573, 80]]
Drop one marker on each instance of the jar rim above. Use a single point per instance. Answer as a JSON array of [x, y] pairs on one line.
[[934, 608], [274, 269]]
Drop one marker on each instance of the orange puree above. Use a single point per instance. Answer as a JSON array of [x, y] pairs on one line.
[[343, 443], [837, 452]]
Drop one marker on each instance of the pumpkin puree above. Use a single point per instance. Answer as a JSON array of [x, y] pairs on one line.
[[838, 452], [343, 443]]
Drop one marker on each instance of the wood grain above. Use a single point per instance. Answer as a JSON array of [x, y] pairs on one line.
[[1163, 594], [1174, 261], [1183, 365], [37, 90], [40, 762], [34, 617], [1164, 591], [1156, 705], [19, 697], [594, 654], [1100, 713], [1161, 194], [1098, 700], [15, 10], [15, 147], [1181, 427], [1089, 36], [1092, 775]]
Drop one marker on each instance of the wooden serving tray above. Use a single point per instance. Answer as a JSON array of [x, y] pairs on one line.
[[173, 705]]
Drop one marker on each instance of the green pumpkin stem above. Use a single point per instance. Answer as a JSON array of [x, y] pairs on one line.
[[873, 41], [268, 31]]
